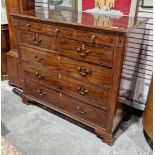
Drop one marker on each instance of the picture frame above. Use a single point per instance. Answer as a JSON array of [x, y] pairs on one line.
[[147, 3], [127, 7]]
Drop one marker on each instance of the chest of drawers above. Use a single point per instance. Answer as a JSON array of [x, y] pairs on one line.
[[74, 67]]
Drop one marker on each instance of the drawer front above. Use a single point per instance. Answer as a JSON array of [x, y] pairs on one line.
[[86, 72], [44, 60], [95, 38], [42, 93], [77, 109], [37, 40], [85, 92], [61, 31], [74, 88], [86, 52], [37, 75], [30, 26]]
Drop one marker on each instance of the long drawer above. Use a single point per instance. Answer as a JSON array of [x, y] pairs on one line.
[[71, 106], [38, 40], [90, 94], [50, 63], [102, 55]]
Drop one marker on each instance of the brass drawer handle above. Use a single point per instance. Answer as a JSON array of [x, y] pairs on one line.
[[41, 93], [82, 112], [36, 41], [83, 72], [57, 31], [93, 37], [82, 52], [38, 59], [28, 26], [38, 75], [82, 91]]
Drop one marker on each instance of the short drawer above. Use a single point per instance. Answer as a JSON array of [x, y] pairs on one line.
[[44, 60], [86, 72], [30, 26], [72, 107], [37, 40], [61, 31], [74, 88], [95, 38], [102, 55]]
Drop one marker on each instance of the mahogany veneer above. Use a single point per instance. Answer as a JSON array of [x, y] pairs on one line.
[[74, 65]]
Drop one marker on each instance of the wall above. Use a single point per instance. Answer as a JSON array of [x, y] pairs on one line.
[[137, 68]]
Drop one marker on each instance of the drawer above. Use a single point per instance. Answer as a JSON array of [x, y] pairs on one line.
[[74, 108], [61, 31], [30, 26], [102, 55], [37, 40], [41, 93], [74, 88], [95, 38], [86, 72], [37, 75], [44, 60], [84, 92]]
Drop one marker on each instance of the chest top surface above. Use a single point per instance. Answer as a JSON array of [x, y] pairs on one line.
[[83, 19]]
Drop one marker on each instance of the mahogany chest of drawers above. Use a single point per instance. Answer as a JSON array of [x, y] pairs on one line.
[[73, 65]]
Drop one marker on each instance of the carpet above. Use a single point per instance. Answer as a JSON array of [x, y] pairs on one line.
[[8, 148], [37, 131]]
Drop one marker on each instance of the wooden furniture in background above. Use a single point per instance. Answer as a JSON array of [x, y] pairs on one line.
[[14, 69], [72, 63], [5, 47], [14, 65], [148, 114]]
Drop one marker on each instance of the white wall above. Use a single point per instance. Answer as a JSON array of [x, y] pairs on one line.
[[137, 68]]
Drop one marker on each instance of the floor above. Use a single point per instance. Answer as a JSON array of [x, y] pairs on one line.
[[36, 131], [7, 148]]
